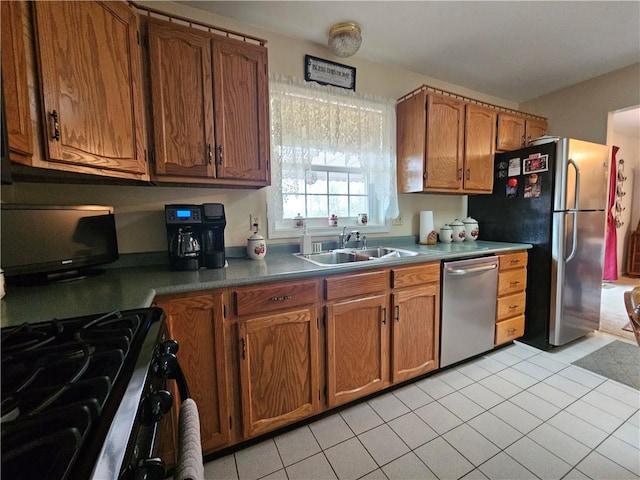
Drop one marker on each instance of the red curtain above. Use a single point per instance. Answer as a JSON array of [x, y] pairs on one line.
[[610, 271]]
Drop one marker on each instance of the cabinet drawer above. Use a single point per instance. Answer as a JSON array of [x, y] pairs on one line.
[[417, 275], [513, 260], [512, 281], [344, 286], [509, 329], [256, 300], [510, 305]]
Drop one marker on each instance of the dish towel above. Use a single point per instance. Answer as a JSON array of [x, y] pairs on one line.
[[190, 466]]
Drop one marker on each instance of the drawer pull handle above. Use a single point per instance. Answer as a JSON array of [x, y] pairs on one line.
[[280, 299], [513, 307], [515, 261], [513, 284], [511, 331]]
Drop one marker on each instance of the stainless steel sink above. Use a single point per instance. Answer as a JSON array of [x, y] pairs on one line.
[[350, 255]]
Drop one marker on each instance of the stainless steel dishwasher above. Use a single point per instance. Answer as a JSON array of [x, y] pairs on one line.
[[469, 293]]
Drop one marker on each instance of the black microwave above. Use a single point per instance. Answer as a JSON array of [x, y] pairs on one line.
[[42, 243]]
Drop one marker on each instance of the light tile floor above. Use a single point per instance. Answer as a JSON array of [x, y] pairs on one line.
[[516, 413]]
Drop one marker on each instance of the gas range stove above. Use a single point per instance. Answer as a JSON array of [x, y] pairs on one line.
[[79, 394]]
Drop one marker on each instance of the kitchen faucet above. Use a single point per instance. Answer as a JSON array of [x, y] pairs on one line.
[[343, 237]]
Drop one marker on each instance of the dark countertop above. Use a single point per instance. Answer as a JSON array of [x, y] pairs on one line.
[[136, 286]]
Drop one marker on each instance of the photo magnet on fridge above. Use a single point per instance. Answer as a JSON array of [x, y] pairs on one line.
[[535, 163], [512, 188], [514, 167], [532, 188]]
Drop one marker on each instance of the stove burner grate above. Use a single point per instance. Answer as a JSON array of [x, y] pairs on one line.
[[61, 384]]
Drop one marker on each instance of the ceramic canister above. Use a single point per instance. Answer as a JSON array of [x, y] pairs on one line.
[[256, 247], [458, 230], [471, 228], [446, 234]]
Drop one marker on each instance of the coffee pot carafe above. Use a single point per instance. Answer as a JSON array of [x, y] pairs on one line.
[[186, 244], [184, 250]]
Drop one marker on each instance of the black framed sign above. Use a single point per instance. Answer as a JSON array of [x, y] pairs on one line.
[[326, 72]]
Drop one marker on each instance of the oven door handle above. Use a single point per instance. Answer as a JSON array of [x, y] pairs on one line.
[[178, 375]]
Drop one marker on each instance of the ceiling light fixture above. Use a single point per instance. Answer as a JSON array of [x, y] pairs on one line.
[[345, 39]]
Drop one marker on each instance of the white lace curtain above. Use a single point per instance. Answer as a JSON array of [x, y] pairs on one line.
[[308, 118]]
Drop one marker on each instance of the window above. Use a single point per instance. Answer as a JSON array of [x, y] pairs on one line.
[[332, 152]]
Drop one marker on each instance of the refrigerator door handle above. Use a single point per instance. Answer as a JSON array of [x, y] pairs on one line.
[[576, 200], [574, 237]]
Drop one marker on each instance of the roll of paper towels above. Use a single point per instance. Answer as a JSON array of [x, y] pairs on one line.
[[428, 235]]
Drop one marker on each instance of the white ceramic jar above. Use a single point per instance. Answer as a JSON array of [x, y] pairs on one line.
[[256, 247], [458, 230], [446, 234], [471, 228]]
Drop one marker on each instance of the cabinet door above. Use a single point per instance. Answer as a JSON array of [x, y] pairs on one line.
[[480, 134], [14, 82], [445, 141], [535, 128], [416, 318], [241, 111], [90, 75], [278, 369], [182, 100], [357, 348], [511, 132], [197, 323]]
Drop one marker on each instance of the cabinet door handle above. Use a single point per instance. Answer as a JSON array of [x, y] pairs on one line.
[[468, 173], [459, 174], [210, 153], [219, 150], [384, 316], [244, 348], [397, 313], [56, 126]]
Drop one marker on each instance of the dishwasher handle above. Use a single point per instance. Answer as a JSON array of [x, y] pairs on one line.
[[466, 271]]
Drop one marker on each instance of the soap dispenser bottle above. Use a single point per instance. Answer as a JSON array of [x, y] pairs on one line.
[[305, 242]]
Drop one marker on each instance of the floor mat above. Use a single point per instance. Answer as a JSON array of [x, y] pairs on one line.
[[618, 361]]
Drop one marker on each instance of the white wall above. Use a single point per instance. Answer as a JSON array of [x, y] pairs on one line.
[[582, 110]]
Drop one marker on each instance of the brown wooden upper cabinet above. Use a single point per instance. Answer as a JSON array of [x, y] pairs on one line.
[[90, 76], [209, 97], [14, 83], [516, 131], [445, 145]]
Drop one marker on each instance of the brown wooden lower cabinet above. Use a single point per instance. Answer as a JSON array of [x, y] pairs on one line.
[[415, 332], [510, 307], [415, 320], [259, 357], [357, 348], [197, 323], [278, 369]]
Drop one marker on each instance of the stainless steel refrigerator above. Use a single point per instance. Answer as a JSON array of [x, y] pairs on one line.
[[552, 195]]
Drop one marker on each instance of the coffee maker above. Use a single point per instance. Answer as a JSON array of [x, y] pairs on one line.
[[195, 236]]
